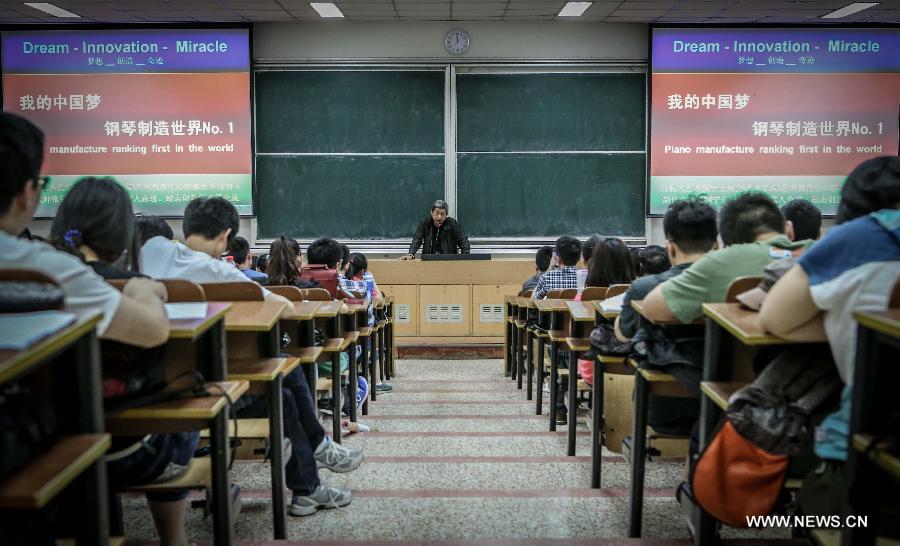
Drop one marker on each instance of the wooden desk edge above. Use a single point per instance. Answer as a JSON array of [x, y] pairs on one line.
[[259, 327], [879, 321], [20, 362], [60, 481], [220, 308]]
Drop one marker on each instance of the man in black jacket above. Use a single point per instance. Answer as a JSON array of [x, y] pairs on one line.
[[439, 234]]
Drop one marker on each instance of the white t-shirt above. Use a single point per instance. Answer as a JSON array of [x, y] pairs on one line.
[[165, 259], [86, 292]]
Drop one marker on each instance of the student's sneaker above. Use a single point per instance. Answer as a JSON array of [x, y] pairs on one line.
[[562, 417], [384, 387], [336, 457], [323, 497]]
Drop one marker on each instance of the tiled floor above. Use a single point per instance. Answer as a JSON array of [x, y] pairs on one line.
[[455, 455]]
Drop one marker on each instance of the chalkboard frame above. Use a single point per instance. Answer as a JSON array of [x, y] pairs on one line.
[[451, 153], [332, 67]]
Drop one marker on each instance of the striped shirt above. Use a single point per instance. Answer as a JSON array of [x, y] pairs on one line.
[[556, 279]]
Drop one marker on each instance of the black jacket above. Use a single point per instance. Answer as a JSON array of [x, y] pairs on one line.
[[450, 238]]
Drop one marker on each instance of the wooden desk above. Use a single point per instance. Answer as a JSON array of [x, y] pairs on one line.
[[730, 328], [350, 332], [199, 344], [329, 315], [75, 393], [254, 333], [873, 416]]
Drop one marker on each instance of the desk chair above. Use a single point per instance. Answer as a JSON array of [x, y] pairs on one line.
[[592, 293], [233, 291], [565, 294], [291, 293], [317, 294], [617, 289], [739, 286]]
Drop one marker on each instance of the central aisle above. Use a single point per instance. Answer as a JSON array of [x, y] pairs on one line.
[[457, 453], [457, 456]]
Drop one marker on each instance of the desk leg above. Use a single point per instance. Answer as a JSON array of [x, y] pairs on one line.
[[365, 363], [529, 336], [211, 354], [381, 353], [554, 379], [390, 350], [514, 351], [354, 383], [336, 396], [573, 402], [520, 370], [873, 397], [638, 455], [539, 386], [388, 372], [597, 428], [223, 525], [717, 344], [373, 372], [276, 456], [91, 520], [507, 347]]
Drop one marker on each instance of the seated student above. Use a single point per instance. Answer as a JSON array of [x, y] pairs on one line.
[[135, 316], [324, 255], [566, 256], [690, 228], [752, 228], [359, 279], [803, 220], [95, 222], [208, 225], [542, 264], [148, 227], [587, 248], [561, 275], [239, 250], [261, 263], [610, 264], [283, 264], [345, 260], [653, 261], [853, 268]]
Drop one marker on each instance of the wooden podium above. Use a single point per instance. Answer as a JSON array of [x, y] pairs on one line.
[[439, 299]]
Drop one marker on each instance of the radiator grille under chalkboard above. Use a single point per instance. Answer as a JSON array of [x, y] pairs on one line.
[[443, 313], [401, 313], [491, 313]]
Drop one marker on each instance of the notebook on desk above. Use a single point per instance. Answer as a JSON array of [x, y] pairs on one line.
[[447, 257]]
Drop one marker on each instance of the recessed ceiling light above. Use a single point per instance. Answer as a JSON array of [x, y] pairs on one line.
[[326, 9], [51, 9], [850, 10], [574, 9]]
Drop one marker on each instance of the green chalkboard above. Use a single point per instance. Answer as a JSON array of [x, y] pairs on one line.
[[349, 111], [551, 194], [346, 197], [551, 111]]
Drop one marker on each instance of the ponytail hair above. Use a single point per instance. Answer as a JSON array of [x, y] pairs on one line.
[[358, 265], [282, 266]]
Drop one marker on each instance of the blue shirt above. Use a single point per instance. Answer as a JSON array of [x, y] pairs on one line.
[[254, 275]]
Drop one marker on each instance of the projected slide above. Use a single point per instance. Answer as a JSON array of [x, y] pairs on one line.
[[165, 112], [787, 111]]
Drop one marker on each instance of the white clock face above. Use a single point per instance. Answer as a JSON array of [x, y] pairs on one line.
[[457, 42]]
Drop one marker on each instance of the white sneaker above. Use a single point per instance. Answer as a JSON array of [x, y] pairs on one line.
[[336, 457], [323, 497]]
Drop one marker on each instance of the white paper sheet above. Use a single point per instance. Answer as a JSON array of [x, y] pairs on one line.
[[186, 311], [19, 331]]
